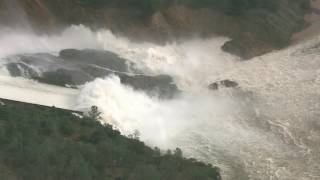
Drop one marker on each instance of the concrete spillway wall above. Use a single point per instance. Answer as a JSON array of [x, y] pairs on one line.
[[27, 91]]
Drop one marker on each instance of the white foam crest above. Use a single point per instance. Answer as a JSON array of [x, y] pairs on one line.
[[207, 125], [189, 62], [13, 41], [262, 141], [161, 122]]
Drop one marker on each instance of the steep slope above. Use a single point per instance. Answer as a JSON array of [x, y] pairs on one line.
[[43, 143], [255, 26]]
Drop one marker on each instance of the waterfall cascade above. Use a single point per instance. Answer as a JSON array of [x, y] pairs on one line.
[[266, 128]]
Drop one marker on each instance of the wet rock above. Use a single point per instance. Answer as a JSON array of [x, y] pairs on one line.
[[63, 77], [76, 67], [252, 47], [161, 85], [96, 57], [224, 83], [21, 69]]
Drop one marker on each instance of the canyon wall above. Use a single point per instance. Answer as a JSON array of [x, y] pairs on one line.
[[253, 29]]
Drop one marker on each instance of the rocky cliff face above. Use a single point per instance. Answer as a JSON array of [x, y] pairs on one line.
[[253, 31]]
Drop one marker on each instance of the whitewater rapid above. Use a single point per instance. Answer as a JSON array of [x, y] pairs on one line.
[[268, 128]]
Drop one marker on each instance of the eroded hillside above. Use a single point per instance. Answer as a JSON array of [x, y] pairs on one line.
[[255, 26]]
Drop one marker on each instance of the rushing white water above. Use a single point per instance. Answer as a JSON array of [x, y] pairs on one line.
[[265, 129], [18, 41], [269, 133]]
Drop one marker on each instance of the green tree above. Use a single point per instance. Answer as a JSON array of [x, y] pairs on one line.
[[94, 113], [178, 153], [36, 146]]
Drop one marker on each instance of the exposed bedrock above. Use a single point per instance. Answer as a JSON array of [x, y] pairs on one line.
[[255, 27], [77, 67]]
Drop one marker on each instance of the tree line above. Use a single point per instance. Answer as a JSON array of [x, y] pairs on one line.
[[41, 143]]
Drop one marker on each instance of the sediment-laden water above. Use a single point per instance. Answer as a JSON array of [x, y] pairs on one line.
[[265, 128]]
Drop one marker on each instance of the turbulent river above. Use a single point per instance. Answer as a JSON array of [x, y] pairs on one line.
[[266, 128]]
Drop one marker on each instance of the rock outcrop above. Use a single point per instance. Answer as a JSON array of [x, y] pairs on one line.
[[77, 67], [254, 26], [223, 84]]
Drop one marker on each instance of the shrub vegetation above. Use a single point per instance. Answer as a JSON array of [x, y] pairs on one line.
[[41, 143]]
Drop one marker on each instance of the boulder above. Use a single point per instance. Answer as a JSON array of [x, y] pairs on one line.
[[101, 58], [21, 69], [76, 67], [223, 84]]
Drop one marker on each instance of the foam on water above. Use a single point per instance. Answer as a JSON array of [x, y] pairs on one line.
[[266, 129], [263, 134], [19, 41]]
